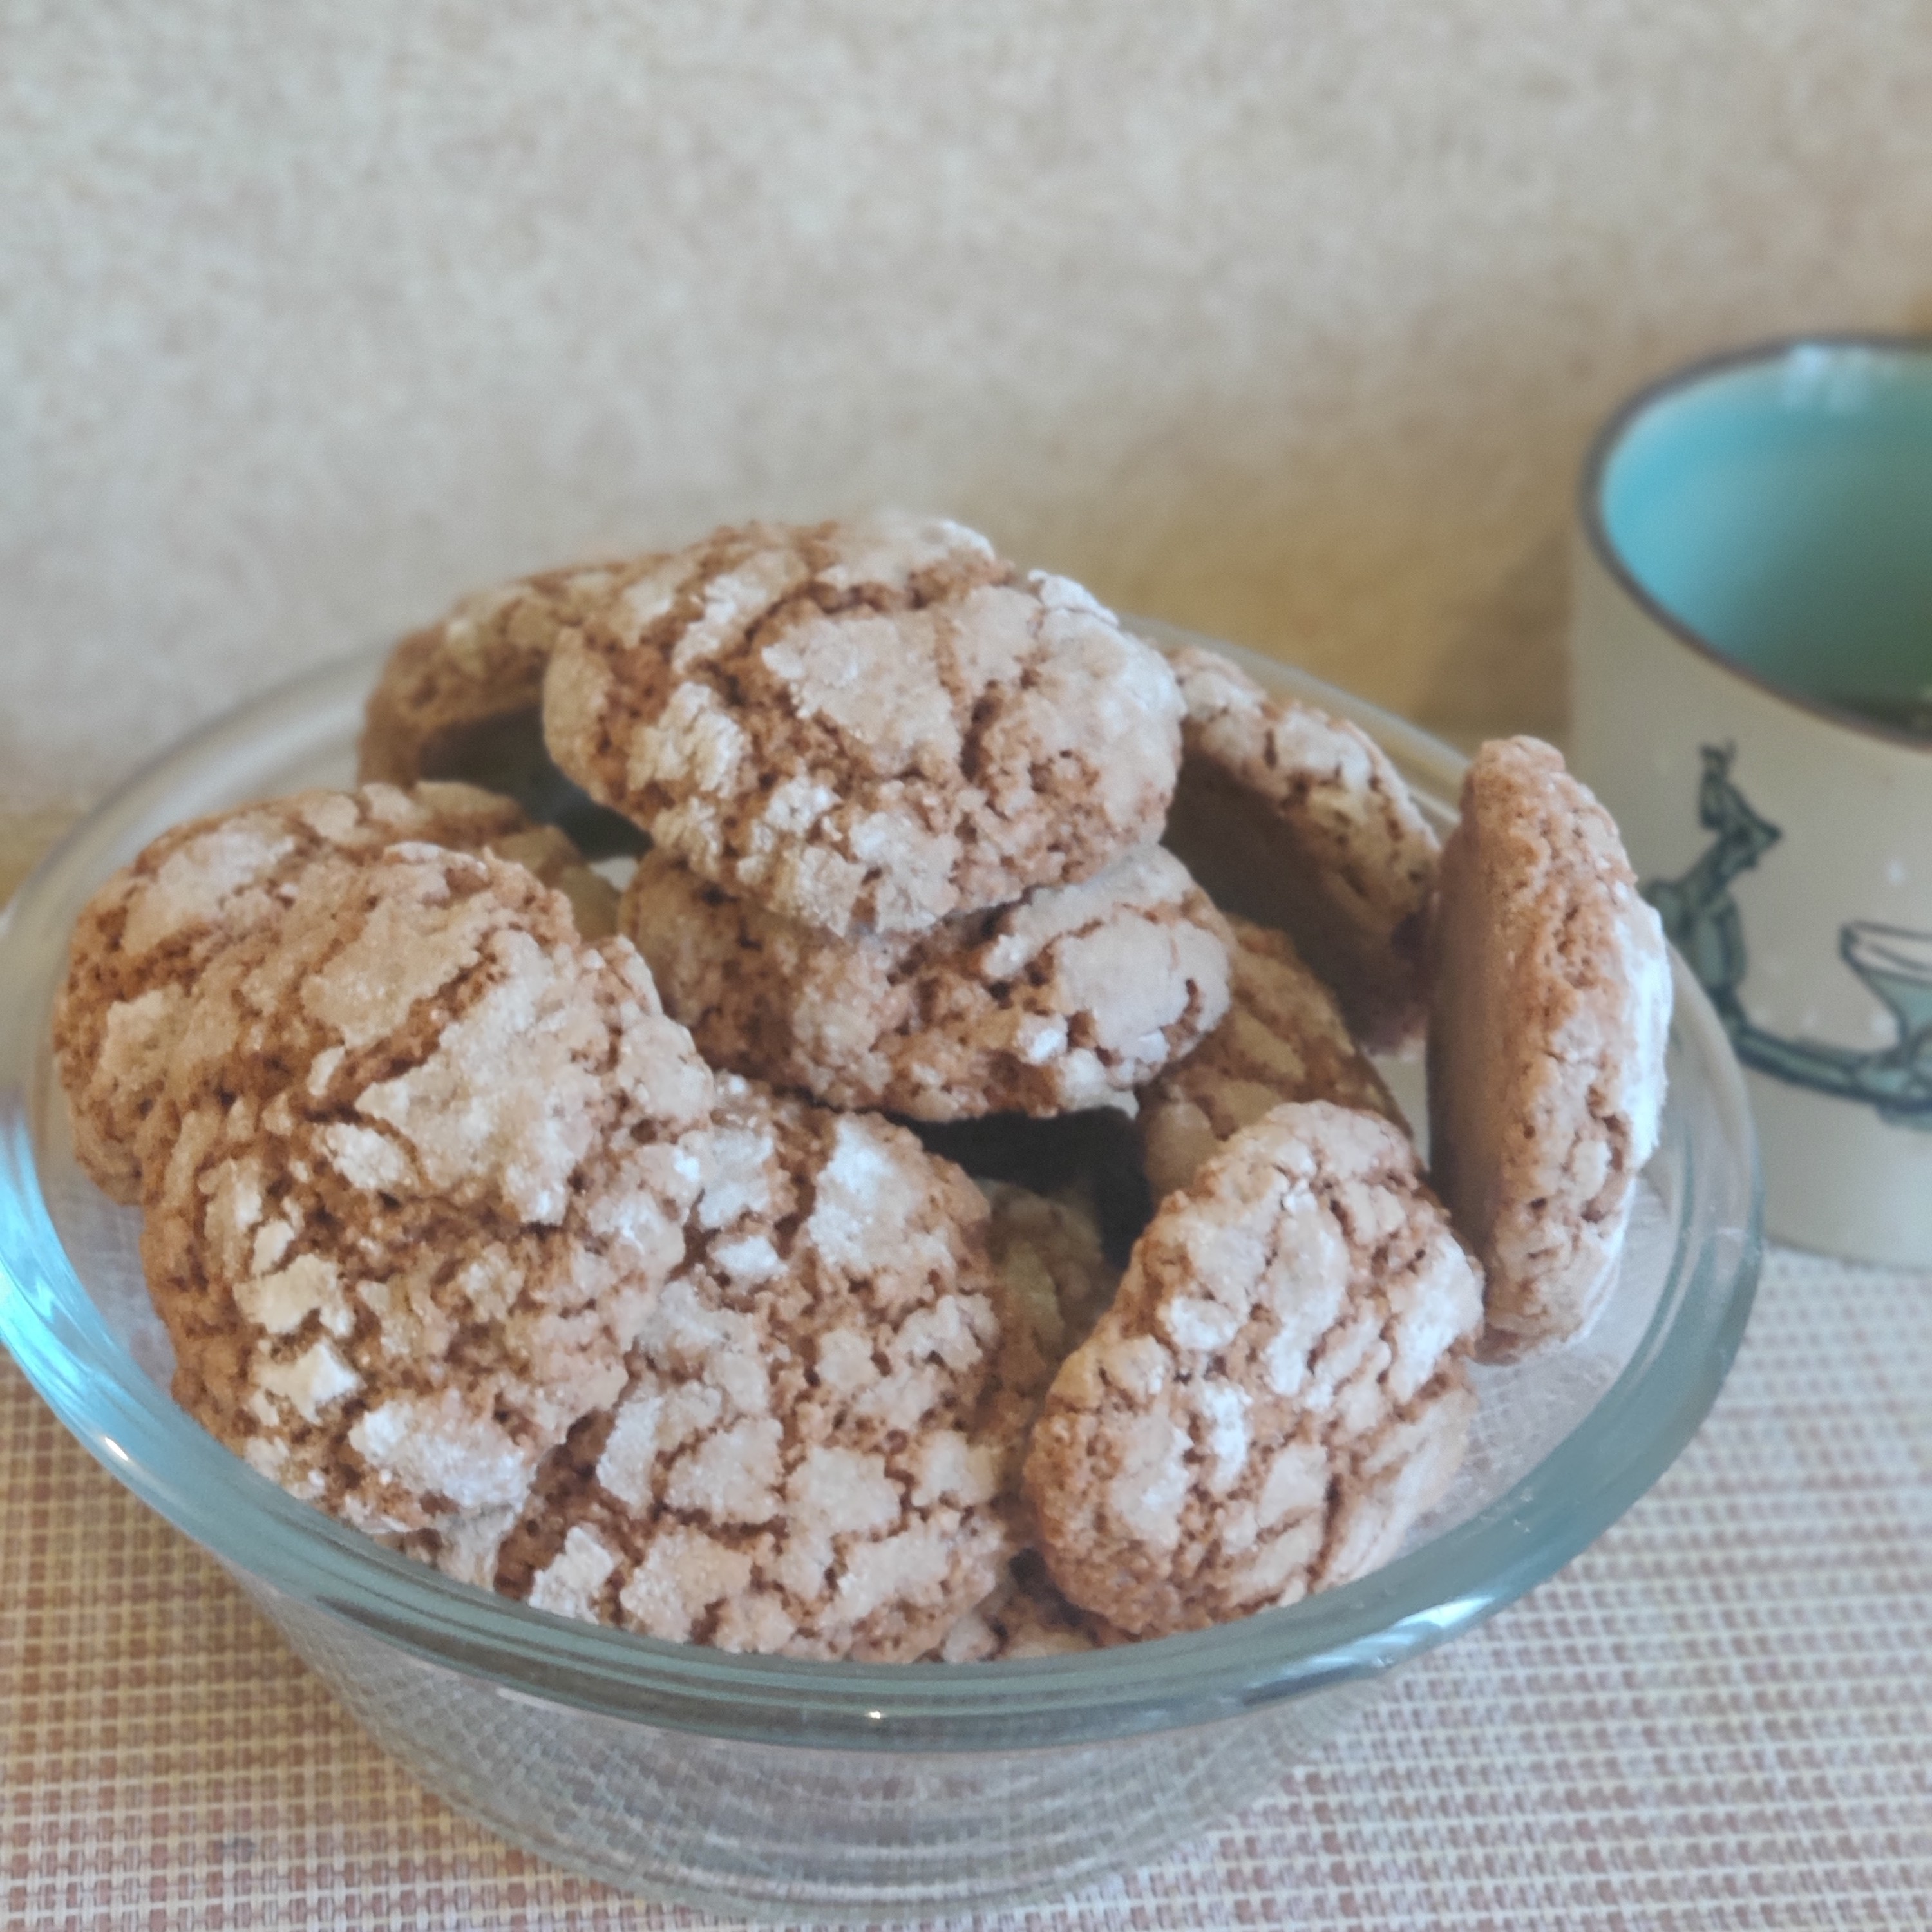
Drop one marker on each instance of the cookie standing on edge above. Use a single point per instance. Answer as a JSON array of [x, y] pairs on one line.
[[1283, 1038], [433, 1165], [874, 724], [1300, 821], [816, 1450], [150, 932], [462, 698], [1069, 999], [1550, 1016], [1278, 1391]]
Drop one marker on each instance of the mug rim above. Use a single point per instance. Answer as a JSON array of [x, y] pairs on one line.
[[1590, 511]]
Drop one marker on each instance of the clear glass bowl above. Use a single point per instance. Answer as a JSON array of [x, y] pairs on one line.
[[775, 1788]]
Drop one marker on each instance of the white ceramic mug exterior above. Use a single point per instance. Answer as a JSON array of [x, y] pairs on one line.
[[1788, 846]]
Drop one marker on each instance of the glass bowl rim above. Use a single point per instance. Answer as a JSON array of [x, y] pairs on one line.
[[1622, 1444]]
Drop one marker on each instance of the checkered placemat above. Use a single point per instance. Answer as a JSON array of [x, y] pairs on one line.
[[1719, 1716]]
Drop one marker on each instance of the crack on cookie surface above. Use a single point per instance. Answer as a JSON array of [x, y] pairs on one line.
[[152, 929], [1278, 1391], [1283, 1038], [461, 699], [815, 1449], [1070, 999], [876, 724], [1300, 821], [433, 1163]]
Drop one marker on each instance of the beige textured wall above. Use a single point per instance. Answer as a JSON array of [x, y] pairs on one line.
[[1287, 321]]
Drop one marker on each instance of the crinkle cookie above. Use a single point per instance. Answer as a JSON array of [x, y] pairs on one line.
[[1025, 1616], [1048, 1251], [1069, 999], [1284, 1039], [434, 1160], [816, 1450], [1278, 1391], [462, 698], [1546, 1038], [873, 723], [149, 933], [1299, 820]]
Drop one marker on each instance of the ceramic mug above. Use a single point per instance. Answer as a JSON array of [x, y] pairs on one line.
[[1752, 659]]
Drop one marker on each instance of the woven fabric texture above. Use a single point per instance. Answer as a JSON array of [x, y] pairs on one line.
[[1721, 1716]]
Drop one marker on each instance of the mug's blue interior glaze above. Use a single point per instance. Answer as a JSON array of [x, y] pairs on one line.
[[1780, 509]]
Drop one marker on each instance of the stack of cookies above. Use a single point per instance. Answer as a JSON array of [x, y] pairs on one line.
[[945, 1208]]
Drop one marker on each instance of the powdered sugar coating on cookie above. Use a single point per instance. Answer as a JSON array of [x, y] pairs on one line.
[[1069, 999], [432, 1168], [872, 724], [482, 664], [1300, 820], [150, 931], [825, 1410], [1278, 1391], [462, 698], [1283, 1038], [1547, 1036]]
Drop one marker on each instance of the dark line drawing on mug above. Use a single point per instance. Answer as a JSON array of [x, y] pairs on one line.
[[1701, 919]]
